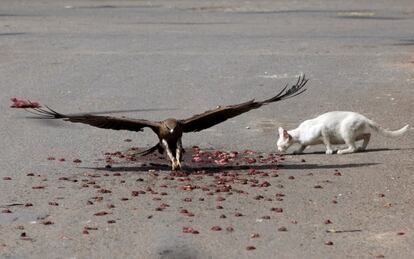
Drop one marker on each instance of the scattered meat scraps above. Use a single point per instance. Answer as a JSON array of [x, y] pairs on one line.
[[20, 103]]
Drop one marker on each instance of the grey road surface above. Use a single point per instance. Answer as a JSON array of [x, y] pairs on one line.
[[160, 59]]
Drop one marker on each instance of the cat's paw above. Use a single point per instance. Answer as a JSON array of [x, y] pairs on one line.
[[329, 152], [297, 152], [360, 149]]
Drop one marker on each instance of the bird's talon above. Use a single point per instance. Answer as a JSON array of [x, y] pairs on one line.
[[175, 165]]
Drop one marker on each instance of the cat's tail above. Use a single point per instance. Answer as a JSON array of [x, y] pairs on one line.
[[386, 132]]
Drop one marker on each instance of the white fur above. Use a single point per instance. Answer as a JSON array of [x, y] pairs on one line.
[[337, 127]]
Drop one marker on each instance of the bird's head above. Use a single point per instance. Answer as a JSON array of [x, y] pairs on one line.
[[170, 125]]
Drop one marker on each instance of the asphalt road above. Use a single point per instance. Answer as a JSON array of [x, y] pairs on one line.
[[160, 59]]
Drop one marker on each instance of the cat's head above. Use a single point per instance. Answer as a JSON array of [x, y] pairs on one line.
[[285, 140]]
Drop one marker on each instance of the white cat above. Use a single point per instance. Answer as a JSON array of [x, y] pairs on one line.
[[337, 127]]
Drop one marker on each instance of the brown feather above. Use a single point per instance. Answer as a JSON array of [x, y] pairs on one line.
[[105, 122], [213, 117], [157, 147]]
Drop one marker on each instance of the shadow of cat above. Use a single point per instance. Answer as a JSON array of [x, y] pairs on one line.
[[365, 151]]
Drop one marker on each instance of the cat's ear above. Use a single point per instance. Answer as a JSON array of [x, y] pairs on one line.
[[286, 134], [283, 133]]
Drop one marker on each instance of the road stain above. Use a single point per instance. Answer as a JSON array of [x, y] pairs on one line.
[[356, 14], [19, 217], [404, 65]]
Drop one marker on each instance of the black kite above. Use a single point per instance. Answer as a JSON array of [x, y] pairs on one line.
[[170, 131]]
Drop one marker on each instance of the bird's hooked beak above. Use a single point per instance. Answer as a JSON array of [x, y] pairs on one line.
[[170, 125]]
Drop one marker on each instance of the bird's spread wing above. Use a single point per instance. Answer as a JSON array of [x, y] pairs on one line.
[[105, 122], [213, 117]]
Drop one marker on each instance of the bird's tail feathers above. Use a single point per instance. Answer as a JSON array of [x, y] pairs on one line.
[[151, 150]]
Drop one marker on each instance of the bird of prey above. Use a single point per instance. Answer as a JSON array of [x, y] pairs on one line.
[[170, 131]]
